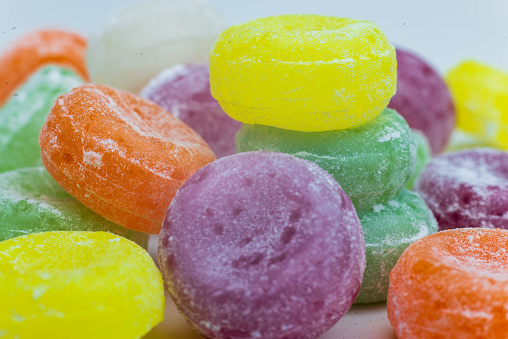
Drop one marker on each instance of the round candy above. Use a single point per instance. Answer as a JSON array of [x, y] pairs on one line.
[[371, 162], [32, 202], [184, 91], [278, 251], [22, 117], [451, 284], [37, 49], [423, 99], [467, 188], [133, 45], [423, 156], [480, 93], [79, 285], [303, 72], [389, 229], [120, 155]]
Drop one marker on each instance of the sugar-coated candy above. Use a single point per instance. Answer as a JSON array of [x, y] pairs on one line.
[[77, 284], [262, 245], [22, 117], [389, 229], [480, 93], [467, 188], [451, 284], [121, 155], [32, 202], [184, 91], [39, 49], [371, 162], [133, 45], [303, 72], [423, 99], [423, 156]]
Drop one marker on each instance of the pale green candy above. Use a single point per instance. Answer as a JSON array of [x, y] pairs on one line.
[[31, 202], [371, 162], [423, 155], [22, 117], [388, 230]]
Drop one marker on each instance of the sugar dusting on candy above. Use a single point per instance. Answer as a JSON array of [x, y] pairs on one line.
[[262, 245]]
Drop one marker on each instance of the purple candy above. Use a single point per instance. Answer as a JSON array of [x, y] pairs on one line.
[[424, 100], [184, 90], [262, 245], [467, 188]]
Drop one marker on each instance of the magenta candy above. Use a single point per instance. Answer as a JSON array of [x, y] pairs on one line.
[[467, 188], [262, 245], [184, 90], [423, 99]]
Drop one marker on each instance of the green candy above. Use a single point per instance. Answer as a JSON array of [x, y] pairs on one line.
[[22, 117], [388, 230], [423, 156], [371, 162], [32, 202]]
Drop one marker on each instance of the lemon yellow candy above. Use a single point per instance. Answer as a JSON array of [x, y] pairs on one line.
[[303, 72], [480, 93], [77, 285]]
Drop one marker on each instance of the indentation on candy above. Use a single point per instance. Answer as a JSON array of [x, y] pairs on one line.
[[295, 215], [277, 258], [287, 234], [218, 229], [245, 261], [237, 211], [67, 157]]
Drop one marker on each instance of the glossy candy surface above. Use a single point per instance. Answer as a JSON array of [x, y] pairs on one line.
[[262, 245]]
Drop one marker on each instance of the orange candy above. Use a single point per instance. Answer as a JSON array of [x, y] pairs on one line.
[[452, 284], [38, 49], [122, 156]]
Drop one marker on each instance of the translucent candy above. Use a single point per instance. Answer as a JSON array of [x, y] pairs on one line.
[[262, 245], [389, 229], [467, 188], [132, 46], [451, 284], [371, 162], [184, 91], [121, 155], [303, 72], [423, 99], [32, 202], [77, 284], [423, 156], [22, 117]]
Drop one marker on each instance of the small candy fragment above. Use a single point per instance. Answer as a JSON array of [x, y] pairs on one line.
[[389, 229], [262, 245], [423, 99], [78, 284], [423, 156], [303, 72], [452, 284], [184, 91], [120, 155], [371, 162], [22, 117], [32, 202], [467, 188], [132, 46]]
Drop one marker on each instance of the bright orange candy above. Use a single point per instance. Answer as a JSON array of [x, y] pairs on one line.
[[452, 284], [37, 49], [122, 156]]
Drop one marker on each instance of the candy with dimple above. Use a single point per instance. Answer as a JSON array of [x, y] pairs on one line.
[[467, 188], [262, 245], [423, 99], [32, 202], [22, 117], [371, 162], [480, 93], [303, 72], [133, 45], [389, 229], [184, 91], [452, 284], [121, 155], [78, 284], [423, 156]]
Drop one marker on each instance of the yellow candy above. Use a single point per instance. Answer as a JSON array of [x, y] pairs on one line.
[[480, 93], [303, 72], [77, 285]]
